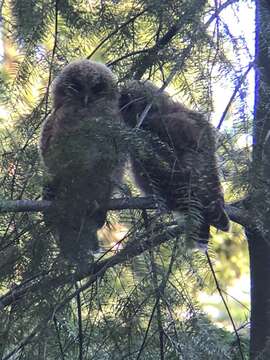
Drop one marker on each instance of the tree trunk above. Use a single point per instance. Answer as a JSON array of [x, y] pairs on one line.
[[259, 239], [260, 296]]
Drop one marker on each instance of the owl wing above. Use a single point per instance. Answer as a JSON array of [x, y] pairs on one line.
[[193, 142], [46, 134]]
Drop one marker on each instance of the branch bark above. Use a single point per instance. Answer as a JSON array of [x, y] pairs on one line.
[[259, 249], [235, 213]]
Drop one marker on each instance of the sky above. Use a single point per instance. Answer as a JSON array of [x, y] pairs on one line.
[[241, 25]]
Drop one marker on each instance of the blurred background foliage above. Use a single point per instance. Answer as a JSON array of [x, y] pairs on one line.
[[163, 303]]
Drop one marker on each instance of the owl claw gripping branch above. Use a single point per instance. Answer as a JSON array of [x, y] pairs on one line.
[[80, 147]]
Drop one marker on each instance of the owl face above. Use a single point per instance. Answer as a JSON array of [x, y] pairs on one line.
[[83, 82], [134, 98]]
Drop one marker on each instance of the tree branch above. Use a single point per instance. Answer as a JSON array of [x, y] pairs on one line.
[[133, 248], [154, 237], [236, 90], [150, 55], [235, 213], [120, 27]]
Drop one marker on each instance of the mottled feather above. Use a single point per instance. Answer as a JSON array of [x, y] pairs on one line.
[[176, 160], [81, 150]]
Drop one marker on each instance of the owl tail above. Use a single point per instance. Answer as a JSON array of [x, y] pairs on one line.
[[203, 236], [78, 245], [78, 239], [217, 216]]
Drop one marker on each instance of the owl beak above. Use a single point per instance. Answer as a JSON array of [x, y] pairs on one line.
[[86, 100]]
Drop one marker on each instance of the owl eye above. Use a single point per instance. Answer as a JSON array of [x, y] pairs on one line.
[[98, 88], [125, 101], [76, 86]]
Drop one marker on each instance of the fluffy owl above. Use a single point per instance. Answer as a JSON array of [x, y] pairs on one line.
[[80, 146], [176, 157]]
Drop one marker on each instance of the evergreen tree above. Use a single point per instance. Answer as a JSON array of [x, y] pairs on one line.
[[139, 300]]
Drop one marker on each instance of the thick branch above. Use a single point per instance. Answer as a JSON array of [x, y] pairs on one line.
[[236, 214]]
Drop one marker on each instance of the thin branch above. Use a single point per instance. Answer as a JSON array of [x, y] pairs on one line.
[[135, 247], [58, 338], [147, 330], [236, 300], [225, 304], [133, 53], [7, 206], [219, 10], [53, 55], [102, 42], [28, 338], [80, 329], [1, 10], [41, 326], [237, 88], [149, 59], [95, 270], [157, 290]]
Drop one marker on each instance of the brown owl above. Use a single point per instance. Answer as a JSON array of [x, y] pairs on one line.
[[176, 157], [80, 148]]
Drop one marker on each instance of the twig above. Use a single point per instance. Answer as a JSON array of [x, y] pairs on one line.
[[133, 53], [147, 330], [53, 55], [185, 53], [33, 333], [94, 271], [116, 31], [219, 10], [237, 88], [225, 304], [80, 332], [174, 71], [59, 338], [157, 291]]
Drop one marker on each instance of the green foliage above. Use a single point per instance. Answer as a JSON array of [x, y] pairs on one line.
[[32, 21], [147, 304]]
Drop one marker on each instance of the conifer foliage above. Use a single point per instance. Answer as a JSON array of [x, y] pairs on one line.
[[140, 298]]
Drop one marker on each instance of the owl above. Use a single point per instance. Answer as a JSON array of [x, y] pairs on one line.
[[80, 148], [175, 160]]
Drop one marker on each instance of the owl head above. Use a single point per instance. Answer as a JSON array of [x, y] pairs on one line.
[[83, 82], [135, 95]]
